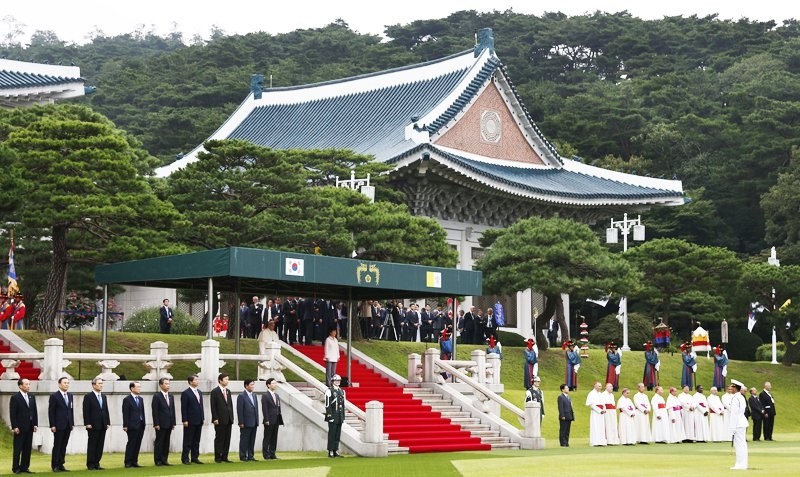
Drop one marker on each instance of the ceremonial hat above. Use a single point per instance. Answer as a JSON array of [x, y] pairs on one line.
[[738, 384], [336, 377]]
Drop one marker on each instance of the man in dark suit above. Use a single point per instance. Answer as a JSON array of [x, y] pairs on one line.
[[255, 317], [24, 422], [757, 412], [247, 415], [133, 424], [271, 406], [163, 408], [97, 420], [62, 419], [565, 416], [222, 418], [165, 322], [192, 416], [768, 403]]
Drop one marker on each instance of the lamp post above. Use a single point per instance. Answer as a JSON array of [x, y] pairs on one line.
[[773, 260], [626, 226]]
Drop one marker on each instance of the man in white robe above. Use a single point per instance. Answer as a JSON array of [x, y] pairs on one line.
[[700, 416], [687, 411], [643, 413], [627, 418], [716, 420], [597, 408], [660, 417], [612, 432], [674, 408]]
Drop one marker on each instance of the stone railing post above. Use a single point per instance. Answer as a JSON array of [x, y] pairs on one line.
[[159, 367], [533, 423], [414, 362], [479, 357], [428, 366], [209, 361], [107, 369], [270, 367], [373, 427], [11, 369], [54, 362], [492, 368]]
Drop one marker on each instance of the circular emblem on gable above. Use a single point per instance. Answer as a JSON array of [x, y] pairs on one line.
[[491, 127]]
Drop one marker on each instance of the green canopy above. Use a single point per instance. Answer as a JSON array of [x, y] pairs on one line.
[[249, 270]]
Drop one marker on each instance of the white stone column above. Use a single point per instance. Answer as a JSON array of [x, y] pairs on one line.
[[209, 361], [54, 362], [159, 366], [479, 356], [373, 427], [493, 368], [533, 423], [428, 367], [525, 312], [414, 361]]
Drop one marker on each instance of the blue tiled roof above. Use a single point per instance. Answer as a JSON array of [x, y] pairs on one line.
[[558, 182], [369, 122], [16, 79]]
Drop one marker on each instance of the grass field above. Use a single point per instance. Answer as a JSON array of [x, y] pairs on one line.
[[766, 458]]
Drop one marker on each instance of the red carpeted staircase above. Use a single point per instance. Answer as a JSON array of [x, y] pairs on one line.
[[26, 369], [405, 418]]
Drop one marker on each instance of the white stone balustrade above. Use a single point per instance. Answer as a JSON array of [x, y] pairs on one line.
[[107, 369], [11, 368], [270, 367]]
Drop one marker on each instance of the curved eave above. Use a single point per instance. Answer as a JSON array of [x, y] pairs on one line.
[[618, 193]]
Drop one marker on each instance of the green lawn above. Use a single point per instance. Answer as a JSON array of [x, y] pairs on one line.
[[766, 458]]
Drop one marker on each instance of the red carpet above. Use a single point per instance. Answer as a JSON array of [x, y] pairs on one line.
[[405, 418], [26, 369]]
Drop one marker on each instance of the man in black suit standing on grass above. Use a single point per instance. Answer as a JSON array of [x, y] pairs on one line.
[[62, 419], [24, 422], [165, 322], [97, 420], [133, 424], [271, 406], [163, 407], [192, 416], [565, 416], [222, 418]]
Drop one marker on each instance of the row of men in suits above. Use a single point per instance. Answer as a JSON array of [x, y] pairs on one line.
[[395, 322], [301, 320], [25, 421]]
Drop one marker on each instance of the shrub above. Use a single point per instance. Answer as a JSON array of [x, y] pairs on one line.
[[147, 321], [742, 344], [764, 353], [640, 330]]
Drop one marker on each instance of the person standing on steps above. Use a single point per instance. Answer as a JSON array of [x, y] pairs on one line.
[[331, 356], [334, 414]]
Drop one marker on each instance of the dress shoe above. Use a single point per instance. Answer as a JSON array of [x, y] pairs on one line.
[[128, 466], [166, 463], [330, 454], [62, 469], [185, 462], [197, 461], [336, 454], [26, 471], [17, 471], [136, 465], [99, 468], [56, 469], [227, 461], [159, 464]]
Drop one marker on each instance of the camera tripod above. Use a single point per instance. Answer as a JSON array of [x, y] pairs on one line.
[[388, 327]]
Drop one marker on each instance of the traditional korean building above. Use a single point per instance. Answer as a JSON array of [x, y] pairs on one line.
[[464, 148], [26, 84]]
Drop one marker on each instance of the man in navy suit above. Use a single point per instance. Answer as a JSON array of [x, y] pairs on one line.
[[565, 416], [163, 407], [192, 416], [247, 415], [62, 419], [133, 424], [221, 404], [24, 422], [165, 322], [271, 404], [97, 420]]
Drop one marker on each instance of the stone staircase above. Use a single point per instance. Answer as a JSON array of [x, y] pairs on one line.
[[462, 418], [439, 404]]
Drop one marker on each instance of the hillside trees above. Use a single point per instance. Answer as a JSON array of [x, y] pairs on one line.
[[79, 185], [552, 256]]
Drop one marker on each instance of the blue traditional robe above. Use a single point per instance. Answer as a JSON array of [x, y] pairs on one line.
[[650, 377]]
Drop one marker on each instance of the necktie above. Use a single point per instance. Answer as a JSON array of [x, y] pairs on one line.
[[66, 399], [26, 399], [253, 398], [196, 394], [100, 400], [166, 398]]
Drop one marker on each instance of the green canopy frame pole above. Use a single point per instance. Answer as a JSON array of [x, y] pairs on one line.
[[210, 308], [104, 319]]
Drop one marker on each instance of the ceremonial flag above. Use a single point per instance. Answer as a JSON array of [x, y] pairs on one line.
[[751, 321], [499, 314], [13, 288], [623, 308], [603, 301], [785, 304]]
